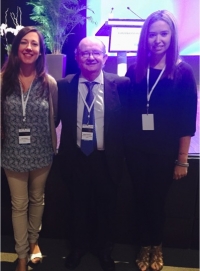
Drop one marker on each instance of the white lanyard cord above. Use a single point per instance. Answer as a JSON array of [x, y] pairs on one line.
[[153, 87], [84, 100], [24, 103]]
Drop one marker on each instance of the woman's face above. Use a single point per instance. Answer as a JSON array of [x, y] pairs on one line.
[[159, 37], [29, 48]]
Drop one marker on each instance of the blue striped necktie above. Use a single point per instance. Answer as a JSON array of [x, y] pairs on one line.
[[88, 146]]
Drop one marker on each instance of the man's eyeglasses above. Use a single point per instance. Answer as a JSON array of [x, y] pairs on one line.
[[87, 54]]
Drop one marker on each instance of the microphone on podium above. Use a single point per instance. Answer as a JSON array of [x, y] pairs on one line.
[[134, 12], [111, 13]]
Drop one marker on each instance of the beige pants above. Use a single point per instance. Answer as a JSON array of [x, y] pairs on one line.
[[27, 197]]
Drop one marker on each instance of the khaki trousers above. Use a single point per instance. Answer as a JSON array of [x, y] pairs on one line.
[[27, 197]]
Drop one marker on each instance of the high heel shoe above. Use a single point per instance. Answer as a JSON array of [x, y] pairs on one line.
[[32, 258], [35, 255], [143, 258], [156, 259]]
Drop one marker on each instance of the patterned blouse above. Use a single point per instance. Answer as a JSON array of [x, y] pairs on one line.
[[37, 154]]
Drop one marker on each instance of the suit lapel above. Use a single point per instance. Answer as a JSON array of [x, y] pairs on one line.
[[111, 99]]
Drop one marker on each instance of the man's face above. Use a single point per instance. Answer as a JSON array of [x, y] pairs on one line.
[[90, 56]]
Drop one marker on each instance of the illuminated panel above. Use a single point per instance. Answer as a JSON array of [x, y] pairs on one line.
[[124, 39], [125, 22]]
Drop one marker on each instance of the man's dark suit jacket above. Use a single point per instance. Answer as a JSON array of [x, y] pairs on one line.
[[115, 93]]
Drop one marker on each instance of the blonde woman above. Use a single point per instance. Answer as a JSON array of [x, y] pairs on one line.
[[160, 122]]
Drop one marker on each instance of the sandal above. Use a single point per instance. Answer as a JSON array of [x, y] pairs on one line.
[[156, 260], [143, 258], [35, 256]]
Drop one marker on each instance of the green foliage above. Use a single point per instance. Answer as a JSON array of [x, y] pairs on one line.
[[56, 20]]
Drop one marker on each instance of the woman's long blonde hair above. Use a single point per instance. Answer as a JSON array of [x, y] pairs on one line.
[[172, 54]]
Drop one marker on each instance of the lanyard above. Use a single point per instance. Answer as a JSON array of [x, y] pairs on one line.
[[90, 108], [153, 87], [24, 103]]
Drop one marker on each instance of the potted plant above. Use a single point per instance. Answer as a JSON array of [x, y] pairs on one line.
[[56, 20]]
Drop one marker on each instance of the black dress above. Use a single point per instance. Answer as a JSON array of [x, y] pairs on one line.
[[150, 154]]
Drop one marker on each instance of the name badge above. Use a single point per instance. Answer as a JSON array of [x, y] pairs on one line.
[[87, 132], [24, 136], [147, 122]]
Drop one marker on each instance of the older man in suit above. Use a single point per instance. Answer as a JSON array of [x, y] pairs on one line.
[[91, 107]]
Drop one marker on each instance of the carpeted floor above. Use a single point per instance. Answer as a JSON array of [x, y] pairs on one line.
[[55, 251]]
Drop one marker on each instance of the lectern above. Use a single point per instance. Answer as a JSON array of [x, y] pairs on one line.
[[123, 38]]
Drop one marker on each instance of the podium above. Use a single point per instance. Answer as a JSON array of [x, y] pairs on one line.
[[123, 38]]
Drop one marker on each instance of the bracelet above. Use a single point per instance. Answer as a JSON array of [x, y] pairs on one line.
[[181, 164]]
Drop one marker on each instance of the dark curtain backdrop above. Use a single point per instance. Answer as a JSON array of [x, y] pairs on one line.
[[68, 49]]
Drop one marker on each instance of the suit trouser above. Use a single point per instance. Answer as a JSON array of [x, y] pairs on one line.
[[92, 202], [27, 197], [152, 176]]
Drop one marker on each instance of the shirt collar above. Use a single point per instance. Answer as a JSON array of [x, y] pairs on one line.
[[98, 79]]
